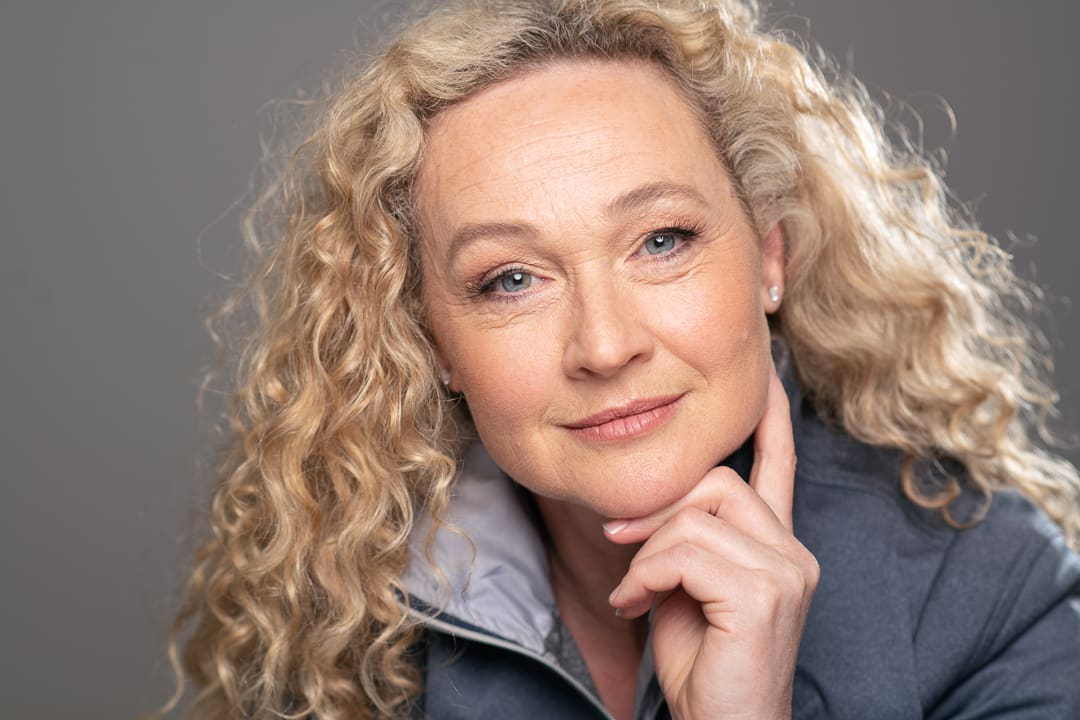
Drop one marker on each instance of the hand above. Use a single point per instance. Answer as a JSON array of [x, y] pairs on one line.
[[732, 582]]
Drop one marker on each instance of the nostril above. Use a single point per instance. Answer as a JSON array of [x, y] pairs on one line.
[[605, 342]]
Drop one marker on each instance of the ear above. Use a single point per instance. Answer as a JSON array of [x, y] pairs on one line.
[[445, 372], [772, 268]]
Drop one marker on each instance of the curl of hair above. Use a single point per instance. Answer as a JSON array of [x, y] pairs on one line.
[[906, 325]]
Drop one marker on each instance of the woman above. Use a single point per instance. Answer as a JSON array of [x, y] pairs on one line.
[[560, 291]]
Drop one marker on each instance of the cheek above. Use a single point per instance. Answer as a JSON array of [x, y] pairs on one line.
[[731, 347], [506, 378], [724, 338], [719, 326]]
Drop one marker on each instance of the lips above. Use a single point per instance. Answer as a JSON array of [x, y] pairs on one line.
[[625, 421]]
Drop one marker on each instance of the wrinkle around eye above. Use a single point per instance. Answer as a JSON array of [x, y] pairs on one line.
[[496, 316], [487, 310], [674, 273]]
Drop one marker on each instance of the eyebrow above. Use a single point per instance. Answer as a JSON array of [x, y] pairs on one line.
[[625, 204], [646, 194], [470, 233]]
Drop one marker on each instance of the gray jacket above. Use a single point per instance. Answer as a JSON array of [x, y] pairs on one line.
[[912, 618]]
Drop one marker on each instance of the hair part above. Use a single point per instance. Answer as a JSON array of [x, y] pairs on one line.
[[906, 325]]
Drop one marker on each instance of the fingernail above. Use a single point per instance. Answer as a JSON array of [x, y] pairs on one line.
[[614, 527], [614, 594]]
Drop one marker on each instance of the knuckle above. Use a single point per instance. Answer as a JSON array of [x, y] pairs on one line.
[[688, 522], [813, 571], [721, 477], [778, 587], [720, 485], [682, 554], [765, 591], [804, 559], [803, 574], [685, 516], [788, 576], [794, 580]]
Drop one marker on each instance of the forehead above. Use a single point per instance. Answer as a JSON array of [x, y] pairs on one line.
[[560, 138]]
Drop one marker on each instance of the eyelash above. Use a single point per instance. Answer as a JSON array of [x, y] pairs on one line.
[[685, 233], [483, 285]]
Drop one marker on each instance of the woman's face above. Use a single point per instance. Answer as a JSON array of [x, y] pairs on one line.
[[594, 288]]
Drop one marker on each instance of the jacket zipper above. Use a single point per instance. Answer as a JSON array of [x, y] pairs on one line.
[[451, 629]]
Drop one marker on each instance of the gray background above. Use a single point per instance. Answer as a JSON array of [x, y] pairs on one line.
[[129, 134]]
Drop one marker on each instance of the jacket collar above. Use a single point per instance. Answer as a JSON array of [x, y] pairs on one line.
[[495, 568]]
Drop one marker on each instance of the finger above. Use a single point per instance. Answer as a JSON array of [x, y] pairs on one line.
[[696, 530], [773, 473], [723, 493], [692, 526], [663, 572], [721, 585]]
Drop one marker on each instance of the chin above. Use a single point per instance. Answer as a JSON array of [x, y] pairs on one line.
[[630, 486], [635, 489], [629, 506]]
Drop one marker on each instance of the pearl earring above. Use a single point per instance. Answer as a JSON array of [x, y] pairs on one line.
[[774, 293], [444, 376]]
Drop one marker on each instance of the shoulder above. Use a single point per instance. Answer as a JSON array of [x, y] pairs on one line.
[[839, 476], [917, 598]]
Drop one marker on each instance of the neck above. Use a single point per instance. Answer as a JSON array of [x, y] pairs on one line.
[[585, 567]]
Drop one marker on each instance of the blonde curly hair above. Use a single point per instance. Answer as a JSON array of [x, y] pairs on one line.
[[906, 325]]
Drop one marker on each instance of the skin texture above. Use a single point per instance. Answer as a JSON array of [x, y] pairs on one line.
[[583, 248], [731, 583], [601, 324]]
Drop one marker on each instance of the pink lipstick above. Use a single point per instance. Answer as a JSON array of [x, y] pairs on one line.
[[626, 421]]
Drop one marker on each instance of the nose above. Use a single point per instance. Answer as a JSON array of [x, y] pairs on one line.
[[608, 332]]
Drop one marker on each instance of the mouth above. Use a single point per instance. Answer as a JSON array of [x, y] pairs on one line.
[[626, 421]]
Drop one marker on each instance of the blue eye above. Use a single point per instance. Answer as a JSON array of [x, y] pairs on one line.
[[509, 285], [661, 243], [667, 241], [515, 281]]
